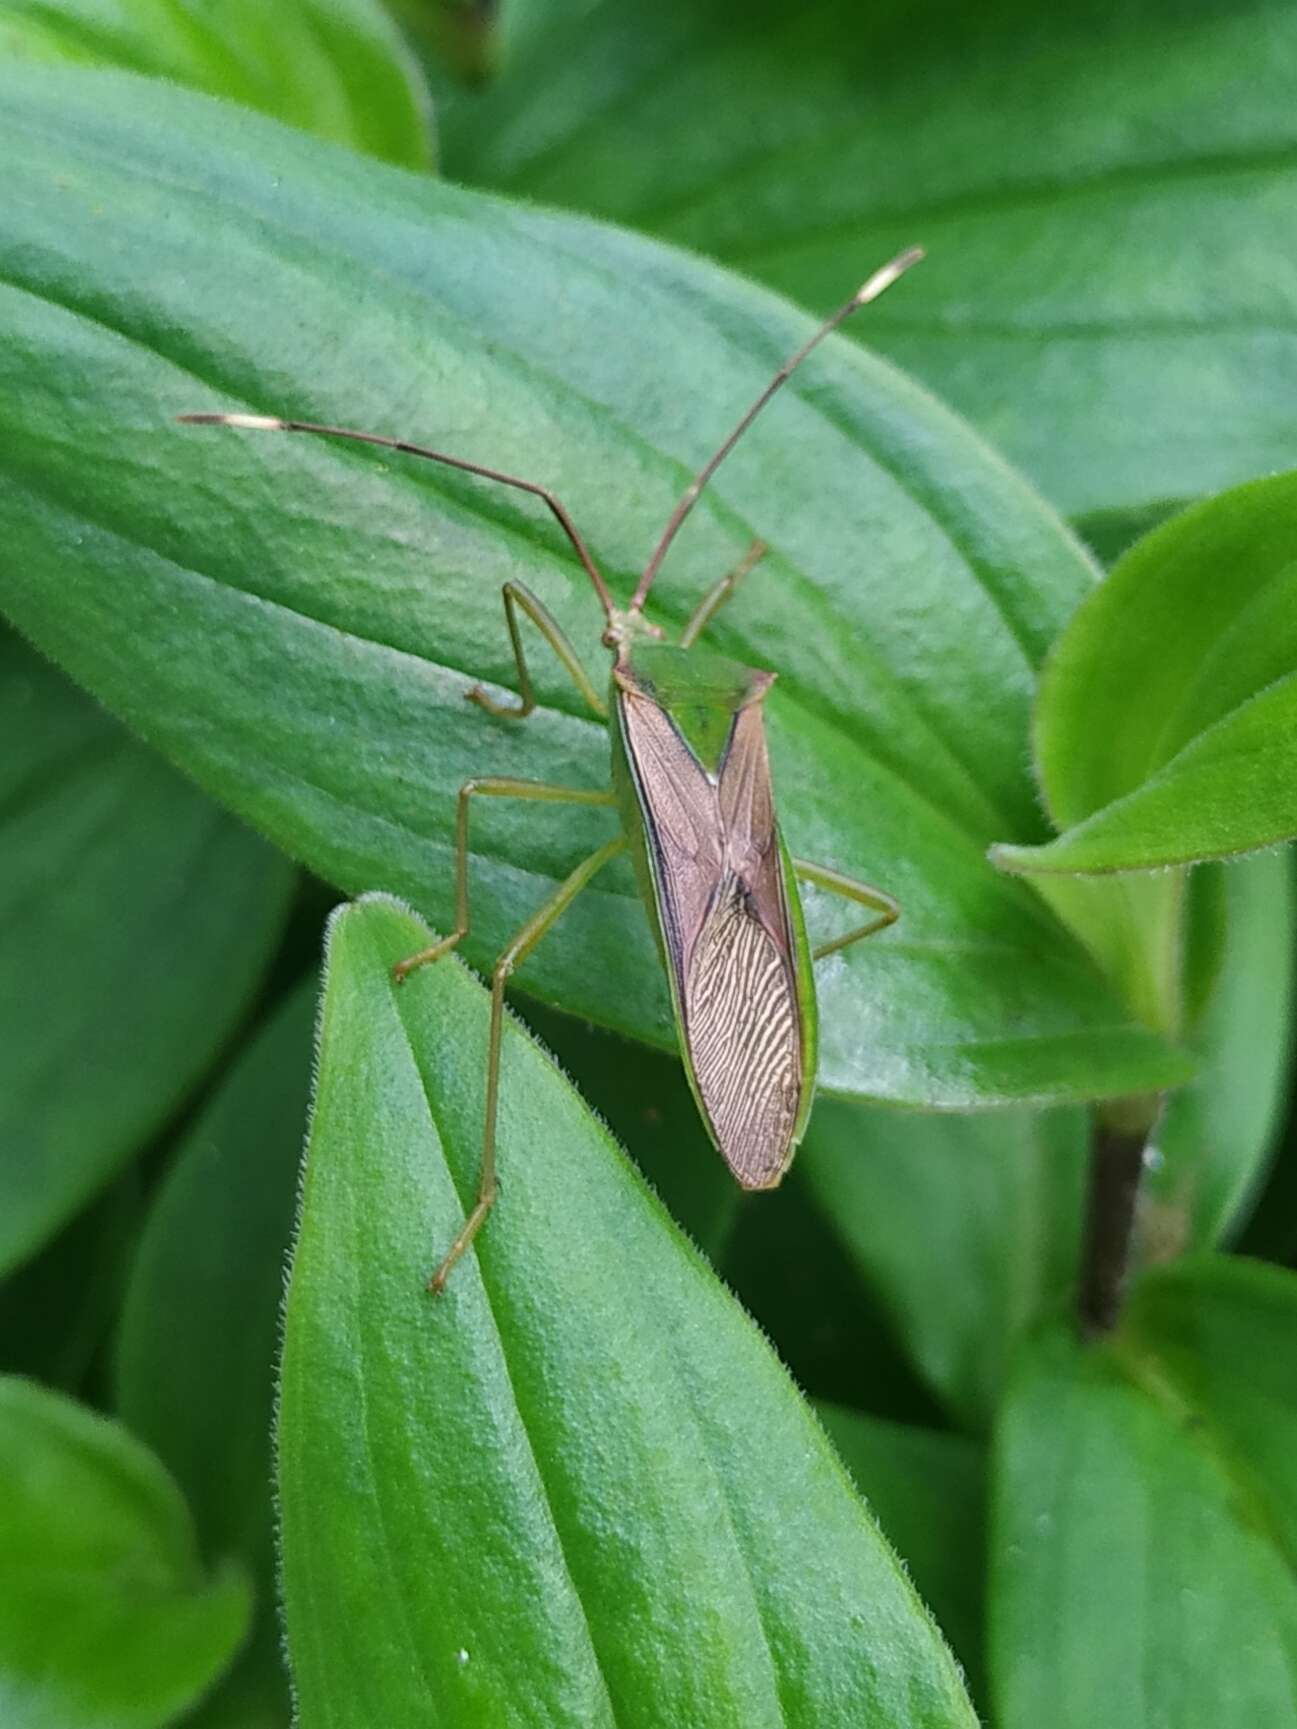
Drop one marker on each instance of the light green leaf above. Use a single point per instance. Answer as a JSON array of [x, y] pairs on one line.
[[338, 68], [1217, 1132], [107, 1620], [967, 1227], [577, 1488], [646, 1101], [1166, 726], [298, 624], [1110, 287], [1144, 1514], [199, 1329], [927, 1490], [139, 920]]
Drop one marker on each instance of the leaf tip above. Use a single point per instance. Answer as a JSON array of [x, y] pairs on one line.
[[1012, 860]]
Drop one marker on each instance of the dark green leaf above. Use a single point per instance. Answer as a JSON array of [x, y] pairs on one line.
[[577, 1488], [338, 68], [1110, 287], [1144, 1514], [966, 1226], [1166, 726], [139, 919], [107, 1619], [1217, 1132], [928, 1492], [199, 1332], [458, 35], [298, 624], [57, 1310]]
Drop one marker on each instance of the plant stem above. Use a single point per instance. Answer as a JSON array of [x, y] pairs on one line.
[[1120, 1137]]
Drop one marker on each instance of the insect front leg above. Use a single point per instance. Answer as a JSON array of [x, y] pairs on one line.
[[512, 958], [825, 877], [516, 596], [719, 593], [493, 787]]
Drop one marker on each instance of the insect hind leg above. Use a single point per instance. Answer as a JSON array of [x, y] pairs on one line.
[[825, 877], [541, 921]]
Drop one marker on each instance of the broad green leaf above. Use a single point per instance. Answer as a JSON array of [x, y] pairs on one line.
[[1166, 726], [928, 1492], [297, 624], [338, 68], [138, 921], [199, 1329], [107, 1618], [1218, 1131], [577, 1488], [1144, 1514], [1109, 293], [967, 1227]]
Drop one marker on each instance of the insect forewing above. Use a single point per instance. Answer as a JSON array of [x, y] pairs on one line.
[[714, 852]]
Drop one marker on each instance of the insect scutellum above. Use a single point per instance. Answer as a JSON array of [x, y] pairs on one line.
[[691, 783]]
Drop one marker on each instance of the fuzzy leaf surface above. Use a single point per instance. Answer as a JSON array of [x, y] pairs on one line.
[[577, 1487]]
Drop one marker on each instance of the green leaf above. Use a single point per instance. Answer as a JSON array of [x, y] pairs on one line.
[[57, 1310], [1166, 726], [928, 1492], [107, 1620], [1144, 1514], [1052, 159], [139, 921], [646, 1101], [458, 35], [297, 624], [967, 1227], [578, 1486], [338, 68], [1217, 1132], [792, 1275], [199, 1329]]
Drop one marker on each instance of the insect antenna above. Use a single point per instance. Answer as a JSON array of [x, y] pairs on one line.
[[266, 423], [881, 280]]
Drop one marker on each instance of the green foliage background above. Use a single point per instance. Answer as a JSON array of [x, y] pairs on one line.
[[1032, 598]]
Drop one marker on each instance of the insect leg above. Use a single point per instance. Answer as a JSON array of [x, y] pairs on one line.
[[493, 787], [517, 596], [512, 958], [719, 593], [825, 877]]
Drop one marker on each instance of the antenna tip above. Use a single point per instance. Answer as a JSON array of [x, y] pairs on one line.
[[886, 274], [248, 422]]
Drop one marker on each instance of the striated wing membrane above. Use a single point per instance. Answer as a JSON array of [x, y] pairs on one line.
[[741, 1026], [716, 864]]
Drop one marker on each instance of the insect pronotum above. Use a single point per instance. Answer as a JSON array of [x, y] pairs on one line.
[[691, 781]]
